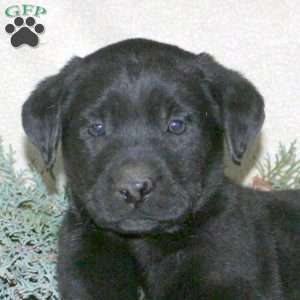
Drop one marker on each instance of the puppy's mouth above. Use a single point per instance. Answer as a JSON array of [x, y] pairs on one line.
[[139, 225], [142, 220]]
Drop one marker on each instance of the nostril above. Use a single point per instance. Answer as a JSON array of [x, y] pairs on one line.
[[147, 187], [124, 193]]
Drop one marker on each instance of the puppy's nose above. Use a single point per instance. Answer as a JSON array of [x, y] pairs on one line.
[[136, 191]]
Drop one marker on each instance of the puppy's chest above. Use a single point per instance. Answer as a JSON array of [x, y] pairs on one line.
[[156, 254], [211, 263], [158, 259]]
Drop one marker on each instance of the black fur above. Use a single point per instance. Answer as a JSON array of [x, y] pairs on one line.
[[149, 205]]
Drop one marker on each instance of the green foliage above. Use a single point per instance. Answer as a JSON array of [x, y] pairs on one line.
[[30, 218], [283, 172], [29, 221]]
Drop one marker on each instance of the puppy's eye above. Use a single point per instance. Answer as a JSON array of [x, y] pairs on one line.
[[176, 126], [96, 129]]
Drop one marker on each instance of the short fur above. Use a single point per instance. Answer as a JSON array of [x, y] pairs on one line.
[[195, 235]]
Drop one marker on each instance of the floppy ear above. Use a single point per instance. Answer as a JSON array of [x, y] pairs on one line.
[[41, 113], [241, 105]]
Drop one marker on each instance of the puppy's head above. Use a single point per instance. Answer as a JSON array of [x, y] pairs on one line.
[[142, 127]]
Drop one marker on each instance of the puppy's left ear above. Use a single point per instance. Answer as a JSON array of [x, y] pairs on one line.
[[42, 112], [240, 104]]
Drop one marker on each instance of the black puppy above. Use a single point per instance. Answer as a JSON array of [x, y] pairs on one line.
[[142, 126]]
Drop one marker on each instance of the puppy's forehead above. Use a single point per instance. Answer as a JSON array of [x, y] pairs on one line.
[[147, 89], [138, 73], [145, 86]]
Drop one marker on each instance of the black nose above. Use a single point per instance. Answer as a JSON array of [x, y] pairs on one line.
[[136, 191]]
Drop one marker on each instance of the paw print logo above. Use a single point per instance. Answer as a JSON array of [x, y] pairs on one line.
[[24, 33]]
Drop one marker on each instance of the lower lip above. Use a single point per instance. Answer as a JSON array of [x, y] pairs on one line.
[[137, 226]]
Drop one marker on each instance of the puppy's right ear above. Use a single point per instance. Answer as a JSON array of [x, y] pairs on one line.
[[41, 113]]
